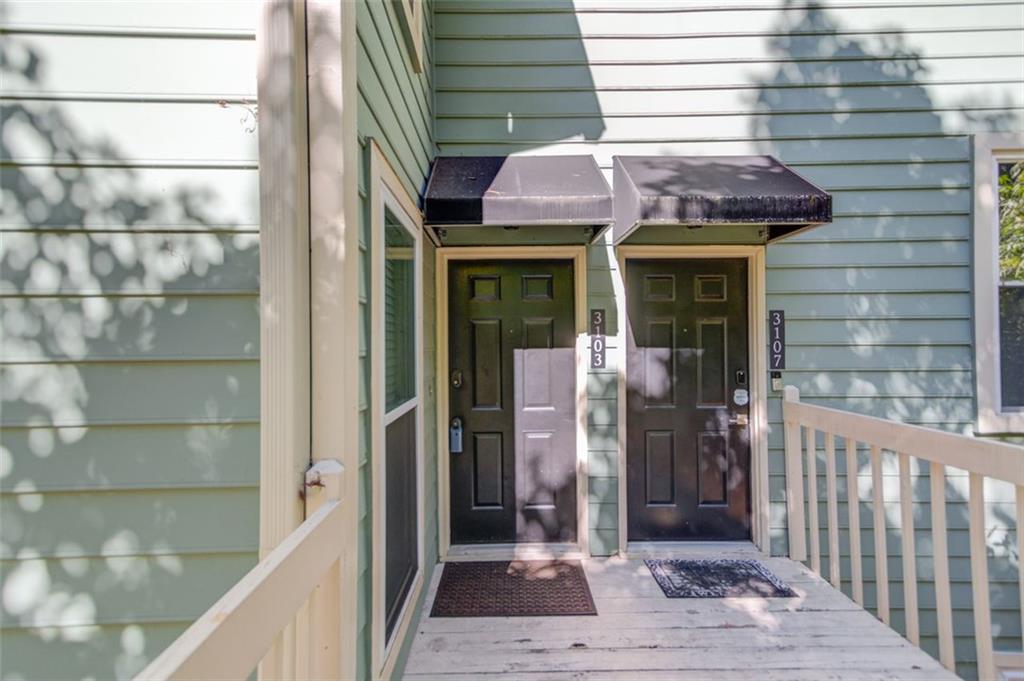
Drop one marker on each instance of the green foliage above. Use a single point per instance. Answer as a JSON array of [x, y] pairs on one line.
[[1011, 221]]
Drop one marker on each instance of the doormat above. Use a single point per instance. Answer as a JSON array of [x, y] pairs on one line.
[[530, 588], [717, 579]]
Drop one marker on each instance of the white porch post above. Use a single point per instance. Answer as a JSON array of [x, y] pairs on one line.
[[334, 289], [309, 277], [284, 288]]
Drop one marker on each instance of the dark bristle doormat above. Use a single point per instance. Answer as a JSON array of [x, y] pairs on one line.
[[530, 588], [717, 579]]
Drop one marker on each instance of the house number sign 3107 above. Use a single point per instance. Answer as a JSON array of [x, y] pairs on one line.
[[597, 342], [776, 339]]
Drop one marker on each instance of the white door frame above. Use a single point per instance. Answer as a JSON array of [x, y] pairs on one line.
[[756, 319], [447, 552]]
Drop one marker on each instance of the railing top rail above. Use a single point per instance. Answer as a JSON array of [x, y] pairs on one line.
[[990, 458], [229, 639]]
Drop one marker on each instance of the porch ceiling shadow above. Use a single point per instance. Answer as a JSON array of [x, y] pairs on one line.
[[705, 191], [548, 199]]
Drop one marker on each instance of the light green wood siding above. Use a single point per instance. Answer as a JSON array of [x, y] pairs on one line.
[[129, 248], [873, 101], [395, 110]]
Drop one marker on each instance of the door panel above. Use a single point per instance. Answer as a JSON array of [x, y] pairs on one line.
[[688, 467], [488, 471], [545, 413], [511, 336]]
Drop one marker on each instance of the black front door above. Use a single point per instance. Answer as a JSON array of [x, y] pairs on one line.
[[687, 383], [512, 387]]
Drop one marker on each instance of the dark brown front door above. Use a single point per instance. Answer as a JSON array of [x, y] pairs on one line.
[[512, 387], [687, 445]]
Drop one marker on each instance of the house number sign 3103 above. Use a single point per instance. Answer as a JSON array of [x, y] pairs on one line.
[[776, 339], [597, 341]]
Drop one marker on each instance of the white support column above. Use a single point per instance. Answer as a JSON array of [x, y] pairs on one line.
[[284, 288], [334, 277]]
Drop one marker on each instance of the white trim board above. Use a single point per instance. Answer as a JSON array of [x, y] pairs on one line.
[[284, 291], [388, 193], [756, 319], [578, 256], [989, 150], [334, 282], [522, 551]]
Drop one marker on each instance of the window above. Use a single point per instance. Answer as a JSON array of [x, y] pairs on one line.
[[399, 313], [999, 281], [401, 412], [395, 347], [410, 21], [1011, 284]]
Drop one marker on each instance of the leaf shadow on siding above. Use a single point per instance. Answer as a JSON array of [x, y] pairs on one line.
[[106, 272], [546, 98], [865, 99]]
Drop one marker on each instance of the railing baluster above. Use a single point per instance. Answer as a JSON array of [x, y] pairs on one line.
[[909, 558], [794, 481], [1020, 554], [853, 508], [812, 499], [833, 511], [981, 458], [881, 552], [979, 577], [940, 557]]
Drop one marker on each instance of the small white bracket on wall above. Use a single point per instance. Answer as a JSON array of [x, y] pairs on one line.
[[323, 483]]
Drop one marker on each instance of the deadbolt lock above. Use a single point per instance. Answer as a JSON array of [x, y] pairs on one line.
[[457, 379]]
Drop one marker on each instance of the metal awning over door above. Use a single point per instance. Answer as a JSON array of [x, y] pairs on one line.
[[546, 193], [705, 191]]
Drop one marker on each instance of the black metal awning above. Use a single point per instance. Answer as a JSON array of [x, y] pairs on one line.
[[699, 191], [514, 191]]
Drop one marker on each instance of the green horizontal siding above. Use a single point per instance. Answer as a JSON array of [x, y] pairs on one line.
[[138, 457], [129, 282], [874, 102]]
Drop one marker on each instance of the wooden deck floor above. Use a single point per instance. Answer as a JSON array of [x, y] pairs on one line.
[[640, 634]]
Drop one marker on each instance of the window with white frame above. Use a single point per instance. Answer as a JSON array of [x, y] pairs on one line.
[[396, 352], [1011, 283], [999, 281], [401, 412]]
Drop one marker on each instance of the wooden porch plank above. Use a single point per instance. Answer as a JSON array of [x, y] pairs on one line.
[[640, 634], [807, 674]]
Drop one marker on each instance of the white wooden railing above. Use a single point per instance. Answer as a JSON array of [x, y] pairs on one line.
[[299, 582], [978, 457]]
